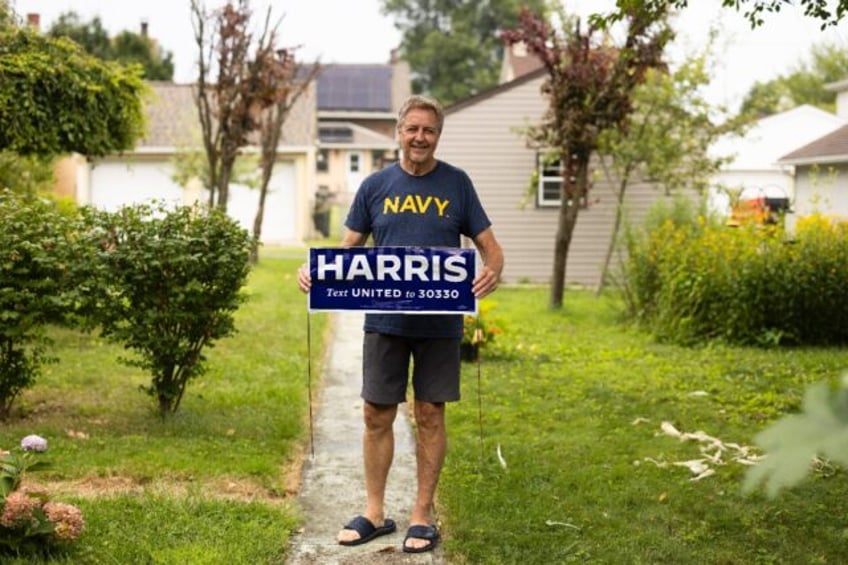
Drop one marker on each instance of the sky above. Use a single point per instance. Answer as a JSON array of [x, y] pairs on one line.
[[354, 31]]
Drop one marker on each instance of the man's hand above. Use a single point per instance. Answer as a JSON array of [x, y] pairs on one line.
[[485, 282], [487, 279], [304, 279]]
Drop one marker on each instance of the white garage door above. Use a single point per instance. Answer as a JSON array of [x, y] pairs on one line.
[[279, 218], [115, 184]]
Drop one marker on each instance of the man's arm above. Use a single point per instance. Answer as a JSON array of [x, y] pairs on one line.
[[353, 238], [349, 239], [491, 253]]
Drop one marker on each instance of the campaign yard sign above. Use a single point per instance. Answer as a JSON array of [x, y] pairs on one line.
[[411, 280]]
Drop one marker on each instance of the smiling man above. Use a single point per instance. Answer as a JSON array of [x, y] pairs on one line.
[[424, 202]]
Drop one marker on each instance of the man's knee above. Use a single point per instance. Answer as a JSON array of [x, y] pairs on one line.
[[379, 417], [429, 415]]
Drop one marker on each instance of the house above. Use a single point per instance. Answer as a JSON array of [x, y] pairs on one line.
[[482, 135], [755, 170], [821, 175], [339, 131], [517, 61], [357, 114], [173, 131], [820, 167]]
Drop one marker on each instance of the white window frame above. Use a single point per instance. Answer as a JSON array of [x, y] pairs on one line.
[[322, 161], [354, 162], [549, 175]]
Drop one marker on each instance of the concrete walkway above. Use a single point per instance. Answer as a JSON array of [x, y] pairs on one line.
[[333, 488]]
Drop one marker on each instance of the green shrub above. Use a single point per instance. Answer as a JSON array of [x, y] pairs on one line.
[[175, 277], [699, 281], [646, 249], [35, 289]]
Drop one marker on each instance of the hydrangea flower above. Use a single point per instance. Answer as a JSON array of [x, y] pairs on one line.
[[67, 520], [18, 510], [34, 443]]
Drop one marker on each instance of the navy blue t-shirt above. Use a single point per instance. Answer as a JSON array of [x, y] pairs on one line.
[[432, 210]]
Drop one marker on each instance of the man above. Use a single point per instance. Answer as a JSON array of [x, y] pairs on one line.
[[446, 207]]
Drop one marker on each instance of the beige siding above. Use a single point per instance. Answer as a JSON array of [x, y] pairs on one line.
[[482, 137]]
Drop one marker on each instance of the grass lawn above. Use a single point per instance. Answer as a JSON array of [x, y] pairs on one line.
[[211, 484], [575, 401]]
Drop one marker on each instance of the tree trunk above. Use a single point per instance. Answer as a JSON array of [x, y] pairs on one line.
[[616, 227], [567, 221], [575, 187], [224, 182], [257, 220], [164, 406]]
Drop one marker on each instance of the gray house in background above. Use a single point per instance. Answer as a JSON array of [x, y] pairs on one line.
[[821, 167], [482, 135], [821, 176]]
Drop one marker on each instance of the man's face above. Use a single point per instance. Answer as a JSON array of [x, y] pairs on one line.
[[419, 135]]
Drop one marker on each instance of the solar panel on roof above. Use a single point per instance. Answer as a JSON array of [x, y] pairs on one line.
[[355, 87]]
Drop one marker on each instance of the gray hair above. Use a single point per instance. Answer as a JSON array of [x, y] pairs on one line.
[[420, 102]]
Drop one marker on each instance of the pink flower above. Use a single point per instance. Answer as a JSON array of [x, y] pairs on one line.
[[18, 510], [67, 520]]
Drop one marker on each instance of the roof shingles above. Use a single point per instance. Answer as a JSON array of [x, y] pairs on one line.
[[173, 122], [833, 147]]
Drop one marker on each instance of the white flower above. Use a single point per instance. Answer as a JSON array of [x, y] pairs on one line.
[[34, 443]]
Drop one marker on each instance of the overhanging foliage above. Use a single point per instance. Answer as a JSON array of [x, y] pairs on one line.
[[56, 99]]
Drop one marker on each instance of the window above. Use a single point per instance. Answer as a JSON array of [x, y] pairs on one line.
[[378, 159], [322, 162], [354, 162], [381, 159], [335, 134], [550, 182]]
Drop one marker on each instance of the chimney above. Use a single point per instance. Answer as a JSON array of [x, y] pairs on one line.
[[519, 49], [34, 22], [144, 28], [841, 90]]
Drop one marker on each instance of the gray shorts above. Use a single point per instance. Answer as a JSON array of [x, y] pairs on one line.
[[385, 368]]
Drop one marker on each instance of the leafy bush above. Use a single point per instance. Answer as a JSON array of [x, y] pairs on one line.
[[752, 285], [647, 247], [54, 98], [175, 277], [35, 288]]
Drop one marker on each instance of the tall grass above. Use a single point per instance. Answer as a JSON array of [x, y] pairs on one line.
[[689, 279]]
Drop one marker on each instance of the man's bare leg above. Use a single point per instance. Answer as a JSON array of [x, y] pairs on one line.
[[378, 447], [431, 445]]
